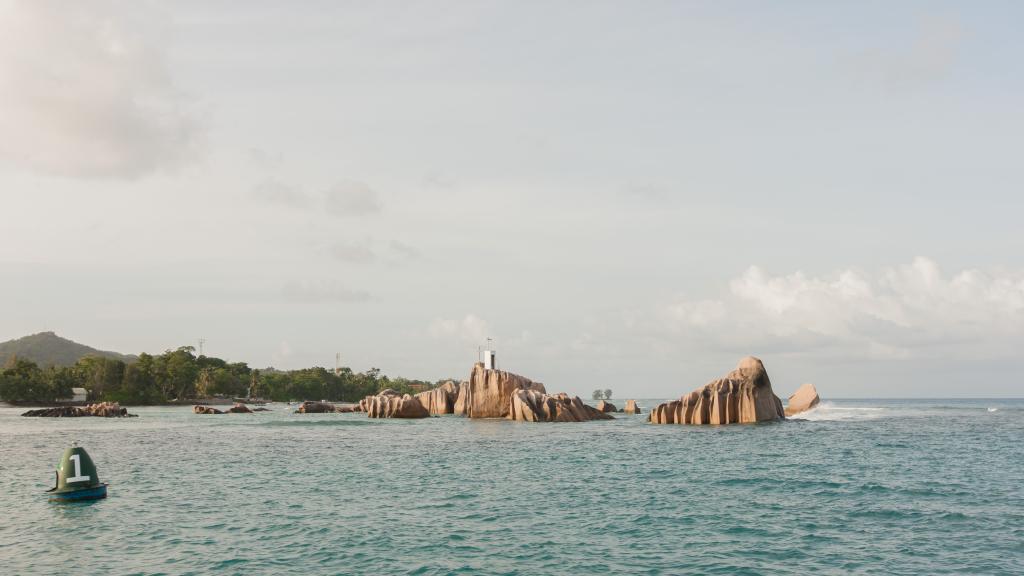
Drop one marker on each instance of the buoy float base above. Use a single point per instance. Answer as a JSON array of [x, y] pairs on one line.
[[94, 493]]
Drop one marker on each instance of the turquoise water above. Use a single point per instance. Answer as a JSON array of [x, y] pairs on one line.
[[866, 487]]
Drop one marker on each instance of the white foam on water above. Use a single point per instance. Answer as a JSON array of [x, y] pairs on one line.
[[830, 411], [993, 409]]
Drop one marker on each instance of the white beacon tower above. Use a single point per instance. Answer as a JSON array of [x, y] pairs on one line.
[[490, 357]]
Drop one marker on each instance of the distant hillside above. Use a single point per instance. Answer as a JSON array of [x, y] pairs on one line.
[[48, 349]]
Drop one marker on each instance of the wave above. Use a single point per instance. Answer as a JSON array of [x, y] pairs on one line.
[[826, 411]]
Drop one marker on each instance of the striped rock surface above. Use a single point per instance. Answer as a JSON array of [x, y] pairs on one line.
[[744, 396], [488, 394], [388, 406], [536, 406]]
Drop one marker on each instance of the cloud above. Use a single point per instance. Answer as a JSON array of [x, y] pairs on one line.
[[351, 198], [471, 329], [355, 252], [404, 251], [913, 310], [276, 192], [928, 54], [322, 291], [86, 92]]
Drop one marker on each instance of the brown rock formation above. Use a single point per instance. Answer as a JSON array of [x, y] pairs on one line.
[[632, 408], [102, 409], [204, 409], [364, 404], [745, 395], [488, 393], [440, 400], [388, 406], [605, 406], [461, 398], [805, 398], [534, 406], [310, 407]]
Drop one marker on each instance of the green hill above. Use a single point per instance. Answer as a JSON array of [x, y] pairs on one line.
[[48, 349]]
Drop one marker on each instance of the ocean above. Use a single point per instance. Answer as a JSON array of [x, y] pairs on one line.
[[853, 487]]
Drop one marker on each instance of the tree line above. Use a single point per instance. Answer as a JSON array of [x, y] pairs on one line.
[[181, 375]]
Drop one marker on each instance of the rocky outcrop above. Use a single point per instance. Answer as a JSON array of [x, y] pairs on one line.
[[744, 396], [805, 398], [632, 408], [529, 405], [605, 406], [488, 394], [204, 409], [461, 398], [102, 410], [440, 400], [389, 406], [310, 407], [364, 404]]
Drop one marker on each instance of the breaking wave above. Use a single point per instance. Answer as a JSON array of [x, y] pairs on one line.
[[832, 411]]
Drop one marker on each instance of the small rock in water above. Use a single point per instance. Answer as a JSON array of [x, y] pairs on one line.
[[632, 408], [102, 409], [805, 398]]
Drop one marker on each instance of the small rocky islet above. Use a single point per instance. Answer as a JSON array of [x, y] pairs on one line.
[[100, 409], [743, 396]]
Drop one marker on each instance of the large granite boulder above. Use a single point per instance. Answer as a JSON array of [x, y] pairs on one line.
[[364, 404], [102, 410], [631, 407], [204, 409], [528, 405], [388, 406], [605, 406], [488, 394], [745, 395], [440, 400], [805, 398], [461, 398]]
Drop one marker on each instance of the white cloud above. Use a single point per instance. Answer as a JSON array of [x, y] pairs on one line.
[[354, 252], [471, 329], [906, 311], [323, 291], [276, 192], [351, 198], [403, 251], [85, 91]]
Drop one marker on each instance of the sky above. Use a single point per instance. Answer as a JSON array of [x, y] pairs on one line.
[[624, 195]]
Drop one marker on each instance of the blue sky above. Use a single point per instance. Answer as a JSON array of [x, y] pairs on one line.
[[624, 195]]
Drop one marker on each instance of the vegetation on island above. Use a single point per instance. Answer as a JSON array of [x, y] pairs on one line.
[[605, 394], [181, 374]]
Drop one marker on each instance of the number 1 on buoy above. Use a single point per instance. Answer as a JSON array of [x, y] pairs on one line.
[[78, 470]]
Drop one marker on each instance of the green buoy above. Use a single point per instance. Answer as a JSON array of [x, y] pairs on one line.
[[77, 478]]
